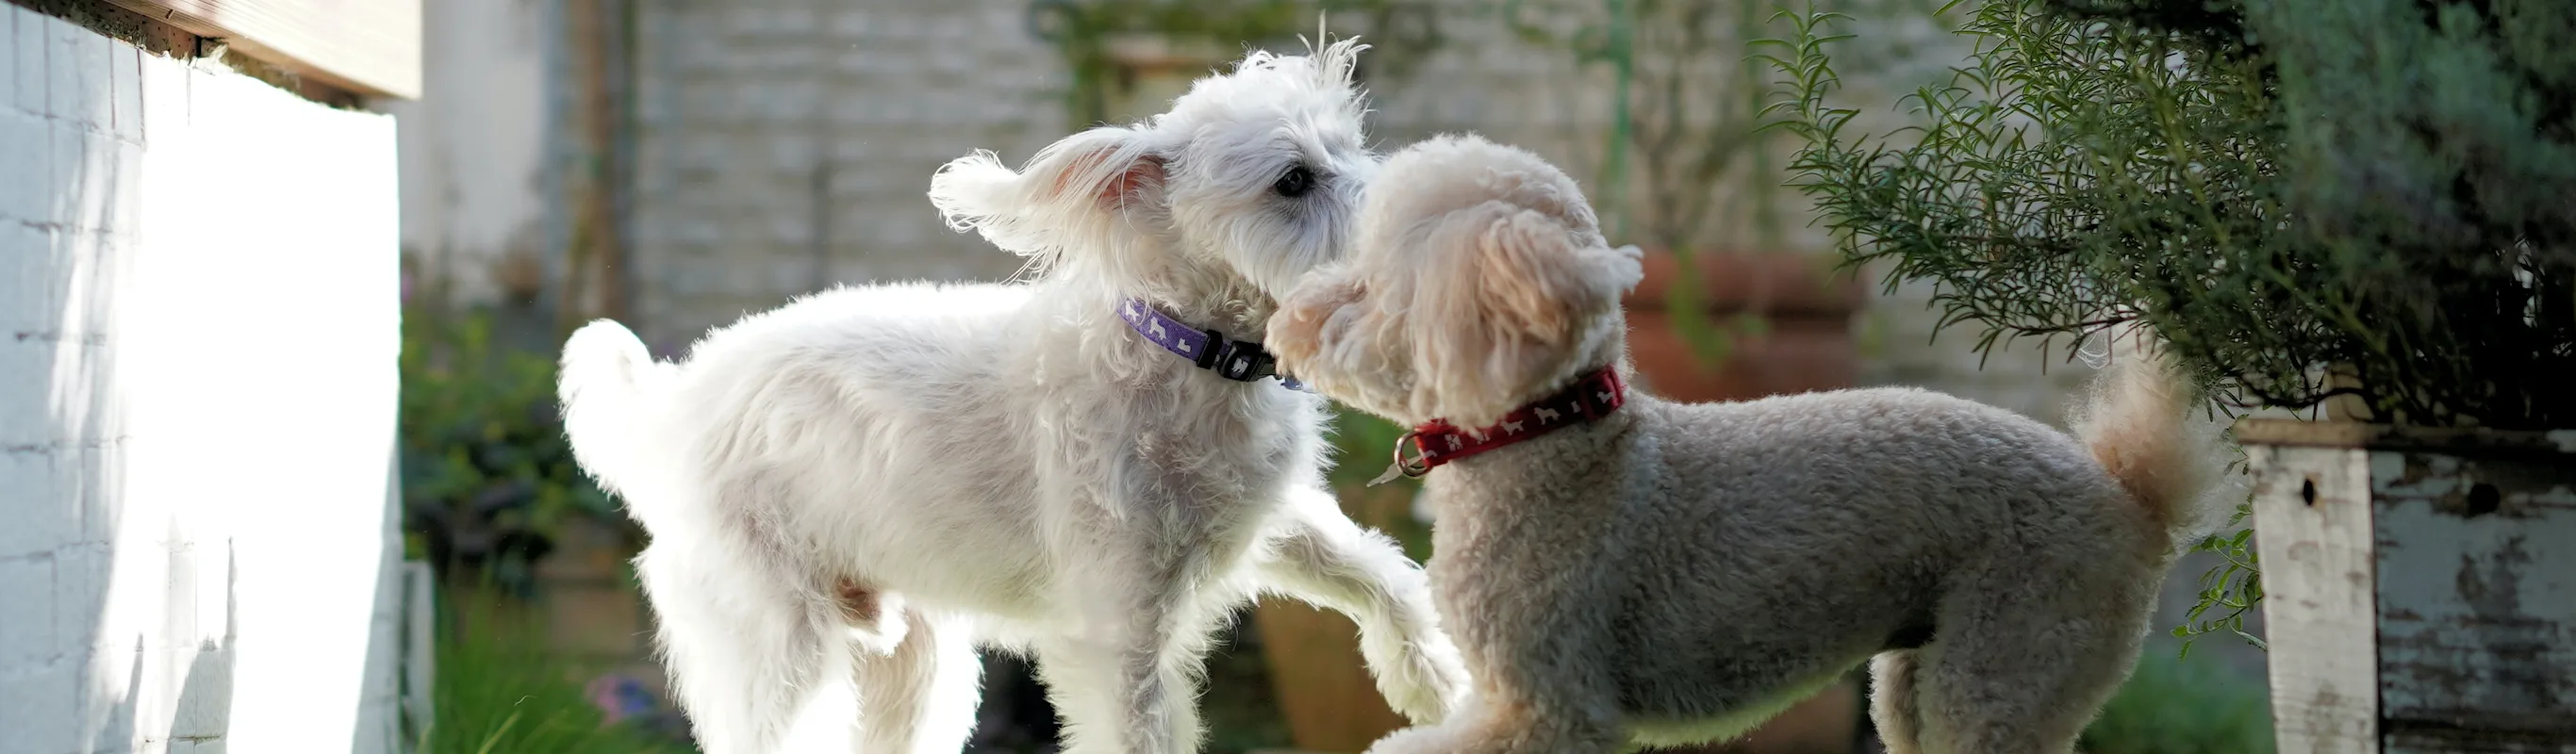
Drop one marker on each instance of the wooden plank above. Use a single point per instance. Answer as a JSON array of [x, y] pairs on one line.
[[2329, 434], [368, 47], [419, 640], [2312, 510], [2477, 602]]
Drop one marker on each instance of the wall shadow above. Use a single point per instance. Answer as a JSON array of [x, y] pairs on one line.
[[68, 194]]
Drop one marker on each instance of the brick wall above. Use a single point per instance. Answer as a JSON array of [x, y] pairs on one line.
[[784, 145], [197, 339]]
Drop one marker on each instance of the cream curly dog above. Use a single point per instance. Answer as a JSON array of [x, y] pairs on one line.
[[1621, 570]]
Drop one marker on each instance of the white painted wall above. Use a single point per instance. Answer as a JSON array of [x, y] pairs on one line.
[[473, 145], [197, 385]]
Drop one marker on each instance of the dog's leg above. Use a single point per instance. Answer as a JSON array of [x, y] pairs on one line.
[[1321, 557], [1510, 723], [920, 697], [1530, 601], [2021, 668], [1126, 680], [743, 649], [1893, 707]]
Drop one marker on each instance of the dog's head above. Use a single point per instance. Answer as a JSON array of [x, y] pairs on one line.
[[1479, 281], [1250, 180]]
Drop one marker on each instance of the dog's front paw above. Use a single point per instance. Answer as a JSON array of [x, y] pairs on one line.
[[1431, 681], [1418, 740]]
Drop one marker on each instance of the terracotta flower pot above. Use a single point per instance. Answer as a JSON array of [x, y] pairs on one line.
[[1804, 344]]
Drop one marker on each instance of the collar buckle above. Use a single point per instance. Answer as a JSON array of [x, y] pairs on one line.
[[1237, 360], [1241, 361]]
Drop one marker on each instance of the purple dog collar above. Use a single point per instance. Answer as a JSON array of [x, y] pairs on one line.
[[1238, 360]]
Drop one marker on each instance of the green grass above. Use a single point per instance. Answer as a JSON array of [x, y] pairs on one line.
[[2173, 705], [498, 689]]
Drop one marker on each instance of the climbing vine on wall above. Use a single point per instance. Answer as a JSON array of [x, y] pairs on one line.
[[1083, 31]]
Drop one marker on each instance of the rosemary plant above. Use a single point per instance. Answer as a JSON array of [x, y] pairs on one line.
[[2306, 198]]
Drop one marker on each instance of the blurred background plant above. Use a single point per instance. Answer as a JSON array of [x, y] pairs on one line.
[[1363, 445], [1688, 165], [2173, 704], [527, 594], [488, 478], [2251, 180], [500, 688]]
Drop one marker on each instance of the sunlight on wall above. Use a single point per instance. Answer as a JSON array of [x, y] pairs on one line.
[[196, 404]]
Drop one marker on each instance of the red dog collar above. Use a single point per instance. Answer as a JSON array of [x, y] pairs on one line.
[[1438, 442]]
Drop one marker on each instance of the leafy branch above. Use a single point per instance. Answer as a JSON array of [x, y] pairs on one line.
[[2297, 227]]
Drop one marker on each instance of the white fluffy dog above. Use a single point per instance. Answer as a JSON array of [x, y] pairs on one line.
[[867, 484], [1621, 570]]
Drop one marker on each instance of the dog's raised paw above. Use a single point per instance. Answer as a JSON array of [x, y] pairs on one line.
[[1433, 683]]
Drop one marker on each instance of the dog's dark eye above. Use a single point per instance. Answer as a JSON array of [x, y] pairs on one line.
[[1295, 183]]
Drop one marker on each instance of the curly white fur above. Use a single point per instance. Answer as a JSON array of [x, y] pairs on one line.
[[866, 485], [1674, 573]]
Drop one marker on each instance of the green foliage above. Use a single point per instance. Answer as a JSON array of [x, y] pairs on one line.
[[499, 689], [1083, 29], [1363, 446], [2228, 591], [2306, 198], [2174, 705], [488, 477]]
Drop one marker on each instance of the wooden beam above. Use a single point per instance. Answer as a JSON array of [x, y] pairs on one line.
[[2337, 434], [368, 47], [2313, 521]]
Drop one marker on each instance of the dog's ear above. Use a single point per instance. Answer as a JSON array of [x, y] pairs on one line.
[[1504, 304], [1084, 185], [1544, 279]]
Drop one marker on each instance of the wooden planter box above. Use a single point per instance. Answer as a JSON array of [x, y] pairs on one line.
[[2420, 586]]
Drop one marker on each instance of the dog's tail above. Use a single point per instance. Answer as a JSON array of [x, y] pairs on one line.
[[606, 385], [2145, 423]]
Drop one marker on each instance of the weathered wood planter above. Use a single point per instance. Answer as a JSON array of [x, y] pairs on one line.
[[2420, 586]]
